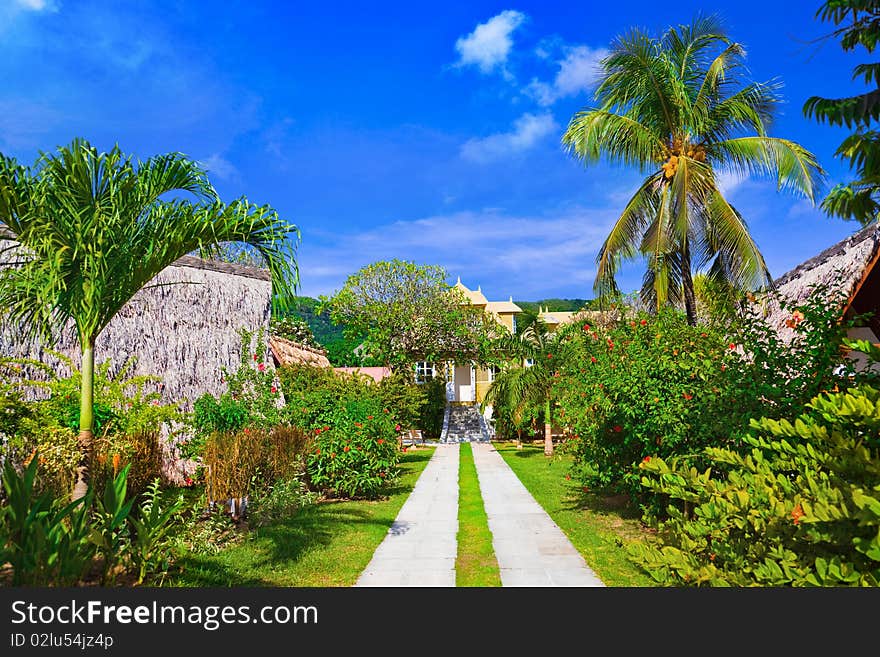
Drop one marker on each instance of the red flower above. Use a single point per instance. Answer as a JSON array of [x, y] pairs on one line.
[[382, 474], [346, 448], [274, 389], [397, 427], [246, 430], [723, 367], [549, 355], [384, 410], [585, 489], [704, 335], [318, 451], [380, 441], [317, 431], [567, 477], [404, 449], [618, 428], [261, 366], [688, 397], [326, 428], [358, 424], [633, 324], [797, 513], [189, 481], [586, 327], [255, 357], [593, 359], [646, 459], [369, 417], [332, 455], [731, 346], [644, 322]]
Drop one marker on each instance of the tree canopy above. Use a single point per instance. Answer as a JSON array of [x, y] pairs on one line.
[[408, 312], [857, 25]]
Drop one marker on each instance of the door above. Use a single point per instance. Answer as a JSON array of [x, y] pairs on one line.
[[464, 385]]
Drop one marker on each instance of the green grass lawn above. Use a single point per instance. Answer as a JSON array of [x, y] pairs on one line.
[[328, 544], [475, 564], [597, 527]]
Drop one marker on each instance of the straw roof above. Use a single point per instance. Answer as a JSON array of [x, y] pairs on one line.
[[185, 332], [287, 352], [848, 267]]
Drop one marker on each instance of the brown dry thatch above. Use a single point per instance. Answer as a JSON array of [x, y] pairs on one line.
[[287, 352], [843, 268]]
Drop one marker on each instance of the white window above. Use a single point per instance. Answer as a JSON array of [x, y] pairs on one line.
[[424, 371], [513, 317], [530, 362], [492, 372]]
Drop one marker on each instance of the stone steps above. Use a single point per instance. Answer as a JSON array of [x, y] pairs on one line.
[[465, 424]]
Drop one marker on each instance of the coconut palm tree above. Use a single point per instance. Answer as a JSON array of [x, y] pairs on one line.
[[92, 228], [509, 391], [677, 107]]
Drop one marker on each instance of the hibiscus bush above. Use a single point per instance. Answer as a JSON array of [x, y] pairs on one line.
[[655, 386], [355, 424], [646, 385]]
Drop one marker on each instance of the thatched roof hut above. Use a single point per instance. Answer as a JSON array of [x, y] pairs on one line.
[[184, 332], [849, 268], [287, 352]]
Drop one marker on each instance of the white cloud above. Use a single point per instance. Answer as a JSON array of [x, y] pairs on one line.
[[38, 5], [578, 72], [489, 45], [489, 247], [221, 167], [527, 131]]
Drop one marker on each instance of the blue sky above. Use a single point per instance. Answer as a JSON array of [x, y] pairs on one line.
[[412, 130]]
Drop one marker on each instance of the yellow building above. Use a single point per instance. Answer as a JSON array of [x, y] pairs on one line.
[[467, 382], [556, 318]]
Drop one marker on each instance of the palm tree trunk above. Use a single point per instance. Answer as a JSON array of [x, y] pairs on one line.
[[519, 438], [86, 419], [687, 284], [548, 429]]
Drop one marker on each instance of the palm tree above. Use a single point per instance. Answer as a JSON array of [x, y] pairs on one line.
[[509, 392], [520, 386], [91, 229], [676, 107]]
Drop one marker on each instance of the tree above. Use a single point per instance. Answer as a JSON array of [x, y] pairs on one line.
[[674, 106], [408, 312], [519, 386], [92, 228], [859, 200]]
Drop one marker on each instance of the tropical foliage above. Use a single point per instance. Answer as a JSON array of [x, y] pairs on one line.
[[678, 107], [92, 228], [857, 24]]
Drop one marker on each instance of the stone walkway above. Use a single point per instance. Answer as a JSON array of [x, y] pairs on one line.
[[420, 547]]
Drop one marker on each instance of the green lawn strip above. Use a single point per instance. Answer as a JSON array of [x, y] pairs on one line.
[[475, 564], [597, 527], [327, 545]]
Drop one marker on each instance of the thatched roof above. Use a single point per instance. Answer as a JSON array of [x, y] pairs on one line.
[[845, 267], [184, 333], [287, 352]]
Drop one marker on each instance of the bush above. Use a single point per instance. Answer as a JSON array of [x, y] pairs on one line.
[[283, 499], [357, 460], [236, 463], [801, 508], [655, 386], [648, 385]]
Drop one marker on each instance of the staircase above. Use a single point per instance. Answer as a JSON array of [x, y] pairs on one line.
[[464, 424]]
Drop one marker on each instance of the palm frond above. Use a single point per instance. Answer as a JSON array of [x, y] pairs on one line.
[[593, 133]]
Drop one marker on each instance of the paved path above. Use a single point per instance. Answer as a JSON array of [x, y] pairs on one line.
[[530, 548], [420, 547]]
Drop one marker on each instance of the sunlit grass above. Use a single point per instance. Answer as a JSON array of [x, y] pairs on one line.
[[475, 564], [327, 545]]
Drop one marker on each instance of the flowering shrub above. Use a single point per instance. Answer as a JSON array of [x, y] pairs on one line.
[[356, 460], [657, 386], [647, 385]]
